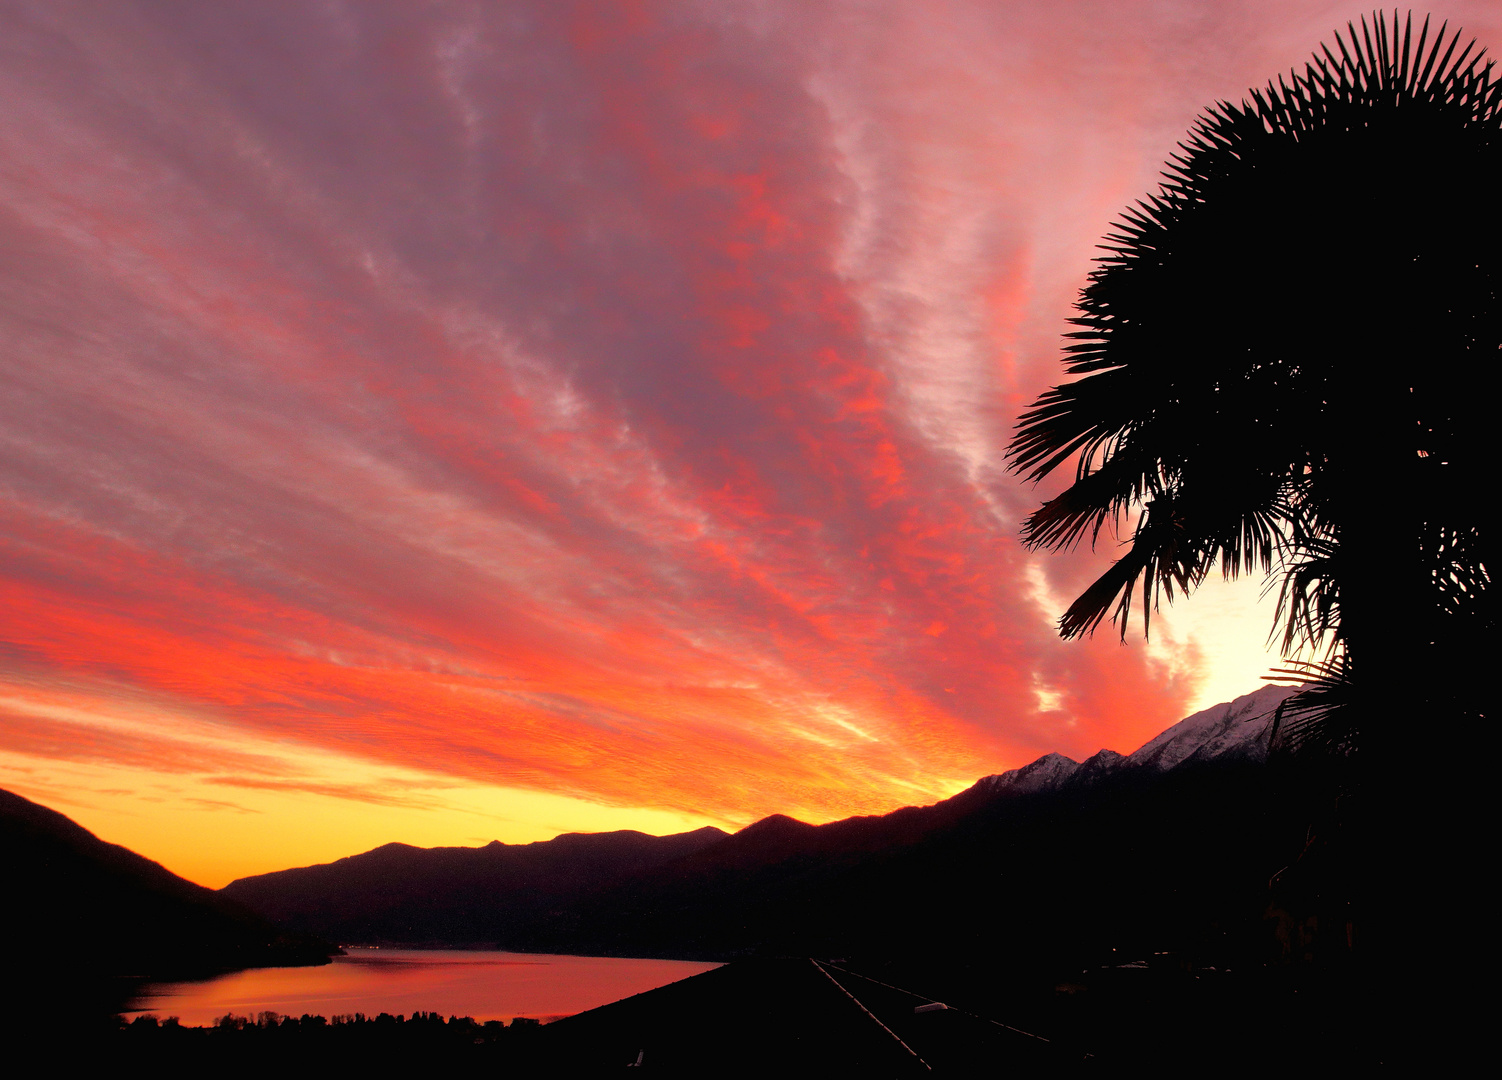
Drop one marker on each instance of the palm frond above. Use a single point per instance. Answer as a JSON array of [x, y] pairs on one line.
[[1220, 347], [1322, 717]]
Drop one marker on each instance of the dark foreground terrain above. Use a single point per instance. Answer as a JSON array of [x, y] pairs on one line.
[[808, 1017]]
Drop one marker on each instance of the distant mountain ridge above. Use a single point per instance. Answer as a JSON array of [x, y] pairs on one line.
[[456, 895], [781, 885]]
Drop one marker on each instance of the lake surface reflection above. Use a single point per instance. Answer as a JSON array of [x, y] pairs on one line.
[[482, 985]]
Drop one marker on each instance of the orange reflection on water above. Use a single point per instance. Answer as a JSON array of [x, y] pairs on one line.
[[482, 985]]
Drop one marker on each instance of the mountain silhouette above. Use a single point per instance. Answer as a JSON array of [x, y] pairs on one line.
[[1170, 847], [76, 905], [455, 895]]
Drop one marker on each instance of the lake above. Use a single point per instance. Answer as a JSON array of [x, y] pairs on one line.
[[482, 985]]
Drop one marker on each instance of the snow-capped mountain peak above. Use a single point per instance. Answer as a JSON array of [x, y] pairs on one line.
[[1232, 730], [1049, 771], [1237, 728]]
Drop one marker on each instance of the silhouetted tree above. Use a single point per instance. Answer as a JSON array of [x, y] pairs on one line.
[[1283, 357], [1283, 363]]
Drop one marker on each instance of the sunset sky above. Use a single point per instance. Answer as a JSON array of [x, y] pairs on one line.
[[456, 421]]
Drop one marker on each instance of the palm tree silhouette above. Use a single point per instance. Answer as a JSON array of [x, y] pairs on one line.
[[1283, 360]]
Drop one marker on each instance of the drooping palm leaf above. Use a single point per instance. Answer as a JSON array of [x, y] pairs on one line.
[[1323, 716]]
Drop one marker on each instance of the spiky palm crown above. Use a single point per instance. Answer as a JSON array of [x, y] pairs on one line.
[[1301, 320]]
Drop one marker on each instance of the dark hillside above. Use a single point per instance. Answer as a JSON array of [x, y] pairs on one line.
[[1137, 864], [457, 896], [76, 904]]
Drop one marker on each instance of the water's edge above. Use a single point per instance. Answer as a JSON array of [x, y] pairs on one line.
[[481, 984]]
